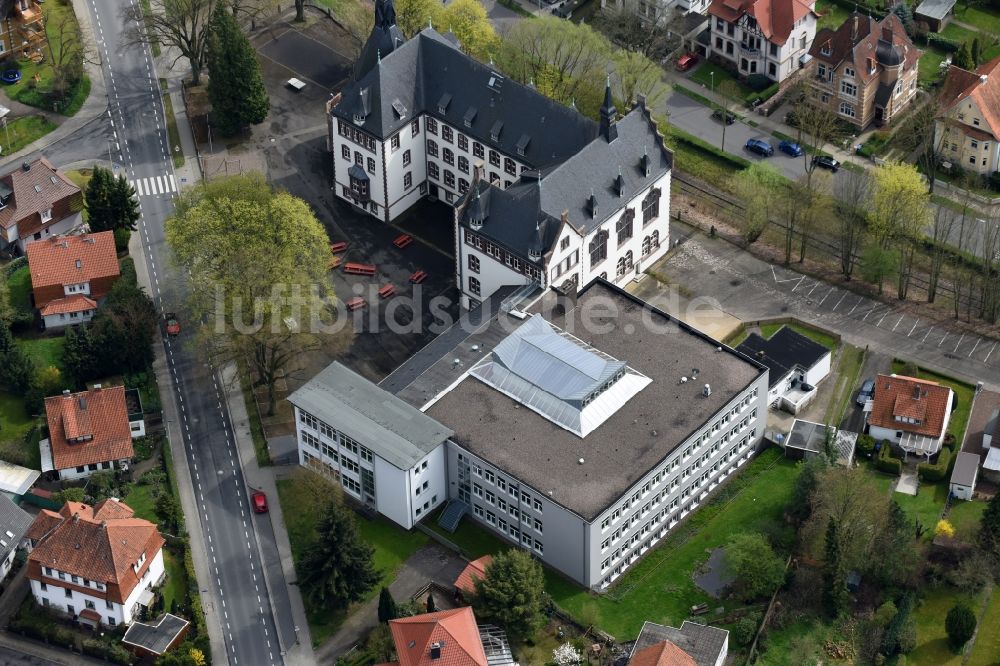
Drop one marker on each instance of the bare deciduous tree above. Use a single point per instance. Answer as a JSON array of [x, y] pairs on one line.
[[852, 191], [177, 24]]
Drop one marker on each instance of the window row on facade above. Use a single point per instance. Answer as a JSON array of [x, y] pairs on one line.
[[509, 259]]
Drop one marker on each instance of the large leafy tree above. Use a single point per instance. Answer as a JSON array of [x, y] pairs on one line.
[[111, 202], [257, 262], [235, 85], [127, 323], [900, 212], [758, 569], [337, 566], [989, 527], [512, 593], [761, 187]]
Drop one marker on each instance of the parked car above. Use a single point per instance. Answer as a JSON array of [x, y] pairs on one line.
[[866, 392], [790, 148], [259, 501], [730, 116], [686, 62], [762, 148], [826, 162], [171, 324]]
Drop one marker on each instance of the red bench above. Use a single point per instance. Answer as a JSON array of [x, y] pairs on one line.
[[356, 303], [387, 290], [418, 276], [403, 240], [359, 269], [339, 246]]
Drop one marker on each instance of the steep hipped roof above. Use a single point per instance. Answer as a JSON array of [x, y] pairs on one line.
[[383, 40], [663, 653], [395, 431], [474, 570], [455, 632], [907, 397], [429, 74], [97, 421], [102, 543], [33, 190], [64, 260], [981, 86], [860, 38], [528, 215], [776, 18], [703, 643]]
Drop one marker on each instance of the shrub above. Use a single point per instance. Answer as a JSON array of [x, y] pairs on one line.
[[122, 237], [942, 42], [866, 445], [745, 629], [128, 271], [933, 472], [960, 625], [995, 180], [886, 462], [758, 82]]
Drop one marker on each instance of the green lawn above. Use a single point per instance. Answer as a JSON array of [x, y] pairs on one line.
[[964, 517], [987, 646], [932, 642], [847, 373], [140, 498], [825, 339], [392, 544], [981, 17], [959, 34], [800, 643], [173, 135], [43, 351], [926, 506], [963, 397], [175, 585], [703, 75], [14, 419], [831, 15], [930, 66], [24, 130], [19, 284]]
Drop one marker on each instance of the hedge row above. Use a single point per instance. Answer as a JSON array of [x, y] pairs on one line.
[[704, 146], [942, 42], [886, 462], [933, 472], [12, 267], [764, 95]]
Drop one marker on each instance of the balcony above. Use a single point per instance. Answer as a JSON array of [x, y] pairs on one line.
[[27, 12], [749, 52]]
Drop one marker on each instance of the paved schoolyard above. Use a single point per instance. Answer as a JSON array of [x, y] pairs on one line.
[[312, 61]]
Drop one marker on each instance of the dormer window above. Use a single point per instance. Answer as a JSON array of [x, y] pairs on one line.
[[46, 215], [359, 119], [443, 103], [825, 49], [495, 130]]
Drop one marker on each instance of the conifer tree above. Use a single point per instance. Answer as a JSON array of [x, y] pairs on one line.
[[235, 86]]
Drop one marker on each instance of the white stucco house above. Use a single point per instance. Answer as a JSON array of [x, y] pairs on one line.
[[767, 37], [797, 365], [88, 431], [913, 414]]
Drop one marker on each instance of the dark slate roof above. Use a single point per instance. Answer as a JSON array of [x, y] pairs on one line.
[[156, 638], [782, 352], [937, 9], [528, 215], [422, 71], [703, 643], [383, 40], [884, 94], [13, 521]]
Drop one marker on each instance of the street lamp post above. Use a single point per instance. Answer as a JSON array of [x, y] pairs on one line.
[[711, 76]]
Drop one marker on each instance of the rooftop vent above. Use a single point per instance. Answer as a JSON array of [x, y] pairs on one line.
[[684, 380], [475, 348], [455, 362], [79, 264], [707, 391], [399, 108], [65, 391], [580, 461], [982, 78], [694, 372], [38, 188], [26, 166]]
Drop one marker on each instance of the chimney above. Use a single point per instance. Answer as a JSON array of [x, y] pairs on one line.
[[76, 517], [436, 650], [592, 204], [644, 162], [982, 78], [26, 166], [707, 391], [620, 183], [478, 171], [66, 392], [104, 524]]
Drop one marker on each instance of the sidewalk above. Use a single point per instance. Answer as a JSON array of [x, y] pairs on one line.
[[93, 109], [300, 652]]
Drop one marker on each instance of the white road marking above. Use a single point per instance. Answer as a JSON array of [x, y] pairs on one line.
[[959, 341], [989, 352], [975, 346]]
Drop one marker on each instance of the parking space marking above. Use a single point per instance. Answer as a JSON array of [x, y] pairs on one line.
[[813, 289], [975, 346], [839, 302], [959, 342], [943, 339], [832, 289], [884, 315], [990, 352], [869, 312], [798, 284], [860, 301], [914, 328], [924, 339], [897, 323]]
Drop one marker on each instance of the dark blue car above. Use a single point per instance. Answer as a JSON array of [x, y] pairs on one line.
[[790, 148], [762, 148]]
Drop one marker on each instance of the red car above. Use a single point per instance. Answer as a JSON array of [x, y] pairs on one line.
[[686, 62], [259, 501], [172, 324]]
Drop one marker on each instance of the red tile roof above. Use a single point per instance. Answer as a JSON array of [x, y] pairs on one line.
[[776, 18], [64, 260], [34, 191], [908, 397], [72, 303], [473, 570], [982, 86], [859, 38], [97, 419], [455, 630], [102, 543], [664, 653]]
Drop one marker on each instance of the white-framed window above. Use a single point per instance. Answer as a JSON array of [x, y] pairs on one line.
[[46, 215], [846, 110], [848, 89], [849, 72]]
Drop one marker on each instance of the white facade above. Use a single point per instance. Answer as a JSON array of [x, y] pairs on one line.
[[404, 496], [595, 553], [83, 471], [658, 11], [68, 318], [893, 435], [960, 491], [7, 563], [483, 266], [61, 592], [742, 43], [63, 226]]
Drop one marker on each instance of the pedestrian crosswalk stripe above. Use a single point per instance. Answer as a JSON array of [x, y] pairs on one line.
[[154, 185]]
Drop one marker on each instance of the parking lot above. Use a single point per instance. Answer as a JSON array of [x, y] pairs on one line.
[[751, 289]]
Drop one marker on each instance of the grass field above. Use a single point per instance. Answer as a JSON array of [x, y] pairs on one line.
[[926, 506], [831, 15], [982, 17], [140, 498], [703, 75], [963, 396], [847, 374], [987, 646], [932, 641], [19, 285], [825, 339], [24, 130], [176, 582], [14, 420], [964, 517], [392, 544], [43, 352]]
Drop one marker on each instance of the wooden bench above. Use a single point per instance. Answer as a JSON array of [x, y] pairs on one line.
[[387, 290], [359, 269], [356, 303], [339, 246], [296, 84], [403, 240], [333, 262], [418, 276]]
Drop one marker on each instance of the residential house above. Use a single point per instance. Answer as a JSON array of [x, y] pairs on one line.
[[663, 12], [23, 30], [865, 71], [97, 564], [88, 431], [692, 645], [797, 365], [36, 202], [14, 524], [603, 212], [70, 274], [585, 454], [982, 434], [967, 129], [766, 37], [465, 584], [963, 477], [935, 13], [448, 637], [913, 414]]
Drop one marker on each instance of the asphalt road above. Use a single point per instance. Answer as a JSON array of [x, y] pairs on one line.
[[139, 145], [9, 657]]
